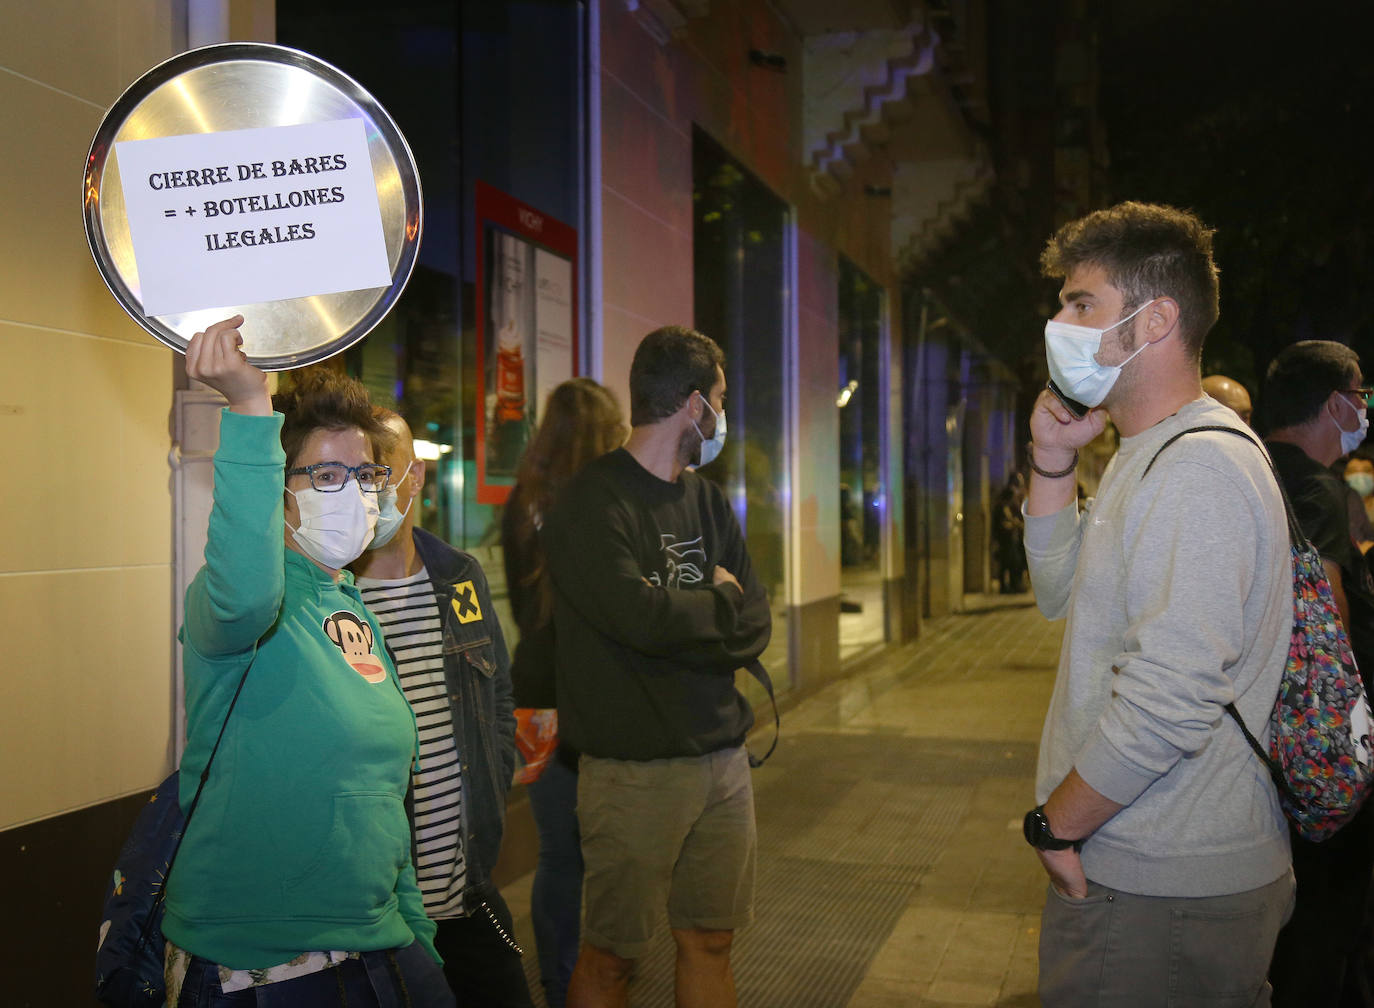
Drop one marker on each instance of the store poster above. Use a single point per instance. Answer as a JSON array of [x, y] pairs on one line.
[[526, 329]]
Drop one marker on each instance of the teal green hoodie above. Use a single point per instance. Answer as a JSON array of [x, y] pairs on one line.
[[301, 840]]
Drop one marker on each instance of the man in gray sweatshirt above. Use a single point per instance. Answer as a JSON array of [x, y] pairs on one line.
[[1160, 830]]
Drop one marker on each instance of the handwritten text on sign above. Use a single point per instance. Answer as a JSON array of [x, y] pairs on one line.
[[234, 218]]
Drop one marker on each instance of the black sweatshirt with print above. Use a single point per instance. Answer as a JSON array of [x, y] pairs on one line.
[[647, 645]]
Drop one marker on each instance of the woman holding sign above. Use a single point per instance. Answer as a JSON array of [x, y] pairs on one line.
[[293, 884]]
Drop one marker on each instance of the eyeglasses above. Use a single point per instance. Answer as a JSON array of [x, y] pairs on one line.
[[1364, 393], [330, 477]]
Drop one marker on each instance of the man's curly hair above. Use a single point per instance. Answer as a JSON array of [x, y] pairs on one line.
[[1147, 251]]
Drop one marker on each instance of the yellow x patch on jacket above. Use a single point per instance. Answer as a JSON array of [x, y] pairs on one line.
[[465, 603]]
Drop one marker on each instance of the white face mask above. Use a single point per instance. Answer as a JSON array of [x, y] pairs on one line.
[[389, 520], [1351, 439], [711, 446], [335, 527], [1361, 482], [1071, 351]]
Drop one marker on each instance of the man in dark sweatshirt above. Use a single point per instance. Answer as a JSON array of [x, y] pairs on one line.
[[1313, 410], [656, 607]]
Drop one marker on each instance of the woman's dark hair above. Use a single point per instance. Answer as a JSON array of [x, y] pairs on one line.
[[581, 421], [320, 398]]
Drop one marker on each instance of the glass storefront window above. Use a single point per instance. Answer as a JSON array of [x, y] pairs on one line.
[[488, 92], [740, 301], [860, 403]]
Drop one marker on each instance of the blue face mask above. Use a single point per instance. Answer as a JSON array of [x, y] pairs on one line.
[[390, 520], [1361, 482], [711, 446], [1071, 351], [1351, 439]]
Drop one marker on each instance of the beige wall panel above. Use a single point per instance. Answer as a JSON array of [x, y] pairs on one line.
[[150, 31], [724, 39], [86, 418], [67, 44], [749, 114], [85, 706], [92, 49], [754, 111], [818, 280], [253, 20], [647, 264], [623, 331], [818, 422], [647, 160], [49, 277], [632, 58]]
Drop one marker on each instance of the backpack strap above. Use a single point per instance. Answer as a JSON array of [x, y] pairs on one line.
[[760, 673], [146, 934], [1295, 533], [1296, 538]]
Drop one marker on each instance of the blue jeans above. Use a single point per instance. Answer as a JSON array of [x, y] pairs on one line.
[[394, 978], [556, 897]]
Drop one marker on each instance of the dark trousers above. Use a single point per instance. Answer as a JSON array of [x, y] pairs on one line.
[[482, 967], [1317, 959], [556, 898], [395, 978], [1130, 951]]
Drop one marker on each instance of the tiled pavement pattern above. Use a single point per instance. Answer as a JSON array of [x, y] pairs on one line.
[[892, 871]]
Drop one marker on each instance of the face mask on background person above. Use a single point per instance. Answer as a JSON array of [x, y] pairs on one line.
[[389, 519], [1361, 482], [335, 526], [1071, 351], [711, 446], [1351, 439]]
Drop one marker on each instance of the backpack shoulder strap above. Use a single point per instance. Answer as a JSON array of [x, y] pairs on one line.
[[1209, 427], [1296, 541], [1295, 534]]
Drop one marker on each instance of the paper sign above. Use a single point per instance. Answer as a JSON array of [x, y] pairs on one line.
[[244, 216]]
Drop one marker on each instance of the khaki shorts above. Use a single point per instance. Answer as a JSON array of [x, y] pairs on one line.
[[674, 832]]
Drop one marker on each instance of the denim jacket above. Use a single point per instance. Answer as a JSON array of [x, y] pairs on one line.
[[477, 670]]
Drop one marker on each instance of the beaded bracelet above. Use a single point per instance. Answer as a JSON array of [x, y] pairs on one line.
[[1053, 475]]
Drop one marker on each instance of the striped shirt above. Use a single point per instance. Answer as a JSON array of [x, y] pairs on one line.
[[409, 614]]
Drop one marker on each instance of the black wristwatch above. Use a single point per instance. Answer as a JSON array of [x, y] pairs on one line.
[[1041, 837]]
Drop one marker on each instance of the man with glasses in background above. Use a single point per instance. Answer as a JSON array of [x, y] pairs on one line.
[[1312, 411]]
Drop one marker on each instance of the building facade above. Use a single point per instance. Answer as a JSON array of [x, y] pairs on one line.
[[766, 171]]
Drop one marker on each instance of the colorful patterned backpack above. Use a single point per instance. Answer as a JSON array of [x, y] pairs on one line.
[[1320, 754]]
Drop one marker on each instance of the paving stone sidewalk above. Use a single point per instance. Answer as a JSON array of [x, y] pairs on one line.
[[892, 871]]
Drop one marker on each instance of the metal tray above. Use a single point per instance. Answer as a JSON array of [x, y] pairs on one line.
[[249, 85]]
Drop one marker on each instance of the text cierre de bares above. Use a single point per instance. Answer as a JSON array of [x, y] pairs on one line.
[[250, 237]]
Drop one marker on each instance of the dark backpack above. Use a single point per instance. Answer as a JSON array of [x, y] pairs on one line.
[[130, 952], [1320, 755], [128, 959]]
